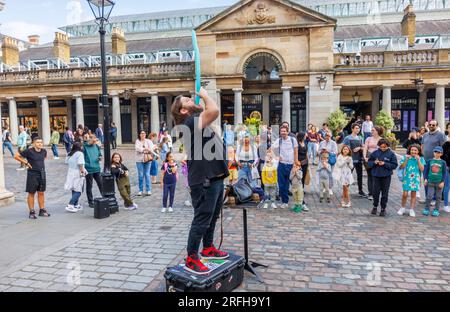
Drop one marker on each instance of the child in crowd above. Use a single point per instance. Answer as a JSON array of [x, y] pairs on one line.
[[169, 179], [120, 172], [269, 178], [297, 187], [164, 148], [435, 173], [232, 166], [184, 172], [343, 174], [324, 174], [413, 165], [383, 162]]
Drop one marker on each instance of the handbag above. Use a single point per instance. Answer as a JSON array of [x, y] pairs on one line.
[[307, 178], [332, 159], [243, 191], [148, 157]]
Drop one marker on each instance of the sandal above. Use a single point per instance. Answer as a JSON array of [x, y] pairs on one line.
[[32, 215], [43, 213]]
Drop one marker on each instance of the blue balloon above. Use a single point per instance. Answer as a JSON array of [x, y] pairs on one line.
[[198, 82]]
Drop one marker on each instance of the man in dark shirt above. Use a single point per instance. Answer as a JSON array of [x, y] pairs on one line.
[[34, 159], [207, 168]]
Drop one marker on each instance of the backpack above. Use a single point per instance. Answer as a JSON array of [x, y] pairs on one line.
[[332, 159], [242, 190]]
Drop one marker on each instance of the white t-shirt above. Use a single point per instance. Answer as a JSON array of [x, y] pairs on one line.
[[286, 150], [367, 126]]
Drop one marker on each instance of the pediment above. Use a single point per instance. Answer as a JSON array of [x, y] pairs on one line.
[[254, 14]]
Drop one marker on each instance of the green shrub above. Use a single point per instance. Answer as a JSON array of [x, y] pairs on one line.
[[384, 120], [337, 120]]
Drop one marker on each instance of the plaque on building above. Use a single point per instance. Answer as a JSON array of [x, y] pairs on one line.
[[261, 16]]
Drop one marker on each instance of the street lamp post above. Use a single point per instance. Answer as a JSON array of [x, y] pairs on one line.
[[102, 10]]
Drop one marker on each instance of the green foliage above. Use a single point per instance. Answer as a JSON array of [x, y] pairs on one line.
[[384, 120], [337, 120], [253, 125]]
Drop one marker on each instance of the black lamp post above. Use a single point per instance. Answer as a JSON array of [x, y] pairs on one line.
[[102, 10]]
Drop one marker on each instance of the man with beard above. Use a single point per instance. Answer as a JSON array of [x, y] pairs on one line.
[[205, 175]]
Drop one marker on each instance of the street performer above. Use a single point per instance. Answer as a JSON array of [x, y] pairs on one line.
[[207, 169]]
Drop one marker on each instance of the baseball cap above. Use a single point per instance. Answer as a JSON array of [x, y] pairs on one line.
[[438, 149]]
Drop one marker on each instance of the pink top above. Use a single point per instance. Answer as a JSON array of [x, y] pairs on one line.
[[372, 144]]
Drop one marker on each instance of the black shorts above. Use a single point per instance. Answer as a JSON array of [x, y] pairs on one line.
[[36, 181]]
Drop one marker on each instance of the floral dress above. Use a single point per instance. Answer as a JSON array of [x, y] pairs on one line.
[[412, 175]]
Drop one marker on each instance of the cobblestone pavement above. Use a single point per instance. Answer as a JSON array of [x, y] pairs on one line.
[[326, 249]]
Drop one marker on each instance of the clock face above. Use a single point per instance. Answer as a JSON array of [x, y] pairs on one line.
[[256, 115]]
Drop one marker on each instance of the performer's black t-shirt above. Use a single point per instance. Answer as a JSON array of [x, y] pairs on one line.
[[205, 151], [35, 158]]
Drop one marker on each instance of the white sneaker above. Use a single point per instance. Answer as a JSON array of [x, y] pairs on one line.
[[274, 206], [56, 158], [330, 192], [412, 213], [433, 203], [187, 203], [71, 208], [401, 211], [149, 193], [79, 207], [305, 208], [447, 208], [135, 206], [139, 194], [284, 206], [163, 210], [170, 209], [266, 206], [132, 207]]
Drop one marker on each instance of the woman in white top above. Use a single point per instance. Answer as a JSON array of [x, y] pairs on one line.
[[370, 146], [76, 174], [247, 158], [144, 157]]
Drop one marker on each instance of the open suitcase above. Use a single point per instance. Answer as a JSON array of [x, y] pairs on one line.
[[226, 275]]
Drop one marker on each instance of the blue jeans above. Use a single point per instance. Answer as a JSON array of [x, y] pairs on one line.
[[366, 135], [284, 170], [144, 174], [312, 148], [55, 150], [68, 147], [246, 173], [75, 198], [446, 189], [9, 146]]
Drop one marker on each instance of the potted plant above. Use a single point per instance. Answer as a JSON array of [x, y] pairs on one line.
[[337, 120], [385, 120]]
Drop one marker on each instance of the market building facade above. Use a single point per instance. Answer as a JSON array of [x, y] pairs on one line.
[[288, 61]]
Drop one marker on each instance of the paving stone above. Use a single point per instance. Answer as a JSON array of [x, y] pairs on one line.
[[111, 284], [134, 286]]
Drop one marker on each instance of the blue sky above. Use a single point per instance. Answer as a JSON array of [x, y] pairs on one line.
[[21, 18]]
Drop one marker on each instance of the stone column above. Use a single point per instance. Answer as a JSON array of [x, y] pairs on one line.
[[439, 106], [79, 110], [219, 105], [375, 102], [134, 119], [422, 113], [286, 110], [237, 106], [155, 123], [6, 197], [387, 99], [45, 120], [116, 116], [69, 114], [266, 107], [337, 97], [169, 119], [13, 121]]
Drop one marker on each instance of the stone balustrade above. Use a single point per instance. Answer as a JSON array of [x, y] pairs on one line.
[[149, 71], [431, 57]]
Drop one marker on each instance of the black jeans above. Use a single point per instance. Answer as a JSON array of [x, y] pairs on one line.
[[98, 179], [381, 185], [369, 181], [359, 175], [114, 142], [207, 202]]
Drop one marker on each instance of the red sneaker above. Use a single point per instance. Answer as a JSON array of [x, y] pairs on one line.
[[213, 253], [194, 265]]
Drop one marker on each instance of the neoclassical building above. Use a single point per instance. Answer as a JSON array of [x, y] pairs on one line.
[[290, 60]]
